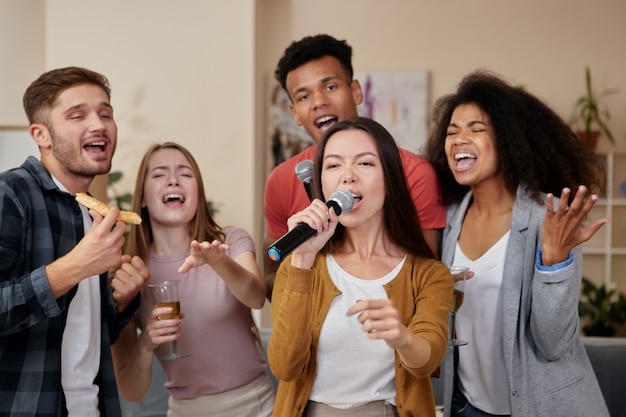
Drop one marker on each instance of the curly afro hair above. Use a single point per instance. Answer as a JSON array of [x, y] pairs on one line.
[[535, 146]]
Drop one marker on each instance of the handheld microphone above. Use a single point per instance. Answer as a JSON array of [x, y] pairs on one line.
[[341, 201], [304, 172]]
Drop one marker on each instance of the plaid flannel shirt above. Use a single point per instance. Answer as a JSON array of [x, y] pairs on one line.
[[38, 224]]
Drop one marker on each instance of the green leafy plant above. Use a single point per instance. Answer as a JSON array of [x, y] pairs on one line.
[[122, 201], [213, 207], [603, 309], [588, 114]]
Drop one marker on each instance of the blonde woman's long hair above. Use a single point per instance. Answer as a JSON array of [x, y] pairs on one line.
[[202, 227]]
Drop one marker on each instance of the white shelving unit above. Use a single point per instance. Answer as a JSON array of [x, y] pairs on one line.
[[605, 254]]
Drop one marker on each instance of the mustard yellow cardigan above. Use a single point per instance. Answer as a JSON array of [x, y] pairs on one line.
[[422, 293]]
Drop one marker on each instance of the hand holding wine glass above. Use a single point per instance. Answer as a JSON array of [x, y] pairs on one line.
[[165, 294], [459, 275]]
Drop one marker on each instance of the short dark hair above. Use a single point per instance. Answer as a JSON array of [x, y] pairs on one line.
[[400, 216], [310, 48], [41, 95]]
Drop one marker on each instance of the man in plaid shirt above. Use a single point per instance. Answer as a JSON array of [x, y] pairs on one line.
[[58, 314]]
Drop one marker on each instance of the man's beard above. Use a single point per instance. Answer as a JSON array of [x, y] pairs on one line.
[[71, 158]]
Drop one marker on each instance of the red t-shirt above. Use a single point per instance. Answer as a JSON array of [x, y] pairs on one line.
[[285, 194]]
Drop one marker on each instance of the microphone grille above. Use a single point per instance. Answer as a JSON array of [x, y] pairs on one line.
[[344, 199], [304, 170]]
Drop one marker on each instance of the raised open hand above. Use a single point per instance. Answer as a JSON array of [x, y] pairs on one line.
[[563, 227]]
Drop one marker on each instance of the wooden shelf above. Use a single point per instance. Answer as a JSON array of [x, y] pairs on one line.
[[604, 255]]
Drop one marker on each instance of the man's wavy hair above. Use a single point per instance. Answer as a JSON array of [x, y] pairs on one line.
[[41, 95]]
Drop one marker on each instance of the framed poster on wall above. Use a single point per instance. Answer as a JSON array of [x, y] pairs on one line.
[[399, 102]]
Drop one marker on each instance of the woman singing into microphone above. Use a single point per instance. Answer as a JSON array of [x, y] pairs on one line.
[[359, 310]]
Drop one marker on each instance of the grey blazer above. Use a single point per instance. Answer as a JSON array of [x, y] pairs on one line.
[[547, 368]]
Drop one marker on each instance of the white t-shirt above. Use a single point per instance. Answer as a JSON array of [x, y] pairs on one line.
[[482, 374], [353, 370], [80, 348]]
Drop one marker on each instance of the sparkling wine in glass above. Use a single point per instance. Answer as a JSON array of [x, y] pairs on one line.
[[459, 275], [165, 294]]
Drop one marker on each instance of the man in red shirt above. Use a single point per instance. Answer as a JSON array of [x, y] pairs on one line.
[[316, 72]]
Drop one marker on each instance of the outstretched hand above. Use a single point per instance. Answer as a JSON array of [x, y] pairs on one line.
[[563, 228], [380, 320], [204, 253]]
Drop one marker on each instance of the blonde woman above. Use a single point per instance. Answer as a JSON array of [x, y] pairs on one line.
[[220, 282]]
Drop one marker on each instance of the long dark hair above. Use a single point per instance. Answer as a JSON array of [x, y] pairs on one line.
[[400, 216], [534, 145]]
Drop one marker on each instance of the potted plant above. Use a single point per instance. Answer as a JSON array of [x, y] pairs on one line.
[[122, 201], [588, 118], [602, 308]]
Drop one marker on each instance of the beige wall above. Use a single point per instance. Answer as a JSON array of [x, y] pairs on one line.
[[21, 55], [196, 71], [180, 71], [543, 45]]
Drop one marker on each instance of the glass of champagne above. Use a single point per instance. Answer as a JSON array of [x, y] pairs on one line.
[[459, 275], [165, 294]]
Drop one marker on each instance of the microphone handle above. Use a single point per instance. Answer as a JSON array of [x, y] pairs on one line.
[[308, 187], [295, 237], [291, 240]]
